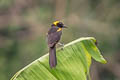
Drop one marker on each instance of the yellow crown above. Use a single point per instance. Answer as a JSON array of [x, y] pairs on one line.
[[56, 22]]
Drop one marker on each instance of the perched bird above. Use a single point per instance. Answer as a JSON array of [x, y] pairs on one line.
[[54, 35]]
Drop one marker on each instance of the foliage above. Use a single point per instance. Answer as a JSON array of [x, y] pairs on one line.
[[73, 63]]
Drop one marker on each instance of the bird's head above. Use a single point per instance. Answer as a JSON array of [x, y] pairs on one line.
[[59, 24]]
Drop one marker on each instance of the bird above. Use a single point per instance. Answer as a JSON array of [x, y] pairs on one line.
[[53, 37]]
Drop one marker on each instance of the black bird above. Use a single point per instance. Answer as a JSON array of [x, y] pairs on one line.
[[54, 35]]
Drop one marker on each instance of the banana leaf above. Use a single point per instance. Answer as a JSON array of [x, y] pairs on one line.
[[74, 62]]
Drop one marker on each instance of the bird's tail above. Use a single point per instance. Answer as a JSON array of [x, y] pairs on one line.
[[52, 57]]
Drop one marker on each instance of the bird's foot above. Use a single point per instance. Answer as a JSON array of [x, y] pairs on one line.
[[61, 44]]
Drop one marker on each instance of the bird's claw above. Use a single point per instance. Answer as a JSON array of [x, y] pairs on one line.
[[61, 44]]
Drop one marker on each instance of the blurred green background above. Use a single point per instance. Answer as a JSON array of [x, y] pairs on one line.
[[24, 24]]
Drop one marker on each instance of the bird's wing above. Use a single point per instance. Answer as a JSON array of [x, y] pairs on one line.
[[53, 37]]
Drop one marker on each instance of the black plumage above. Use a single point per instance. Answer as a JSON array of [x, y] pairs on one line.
[[53, 38], [54, 35]]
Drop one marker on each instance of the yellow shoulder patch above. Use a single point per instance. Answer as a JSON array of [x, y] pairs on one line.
[[59, 29]]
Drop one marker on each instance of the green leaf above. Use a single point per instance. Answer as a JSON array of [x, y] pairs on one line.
[[94, 51], [73, 63]]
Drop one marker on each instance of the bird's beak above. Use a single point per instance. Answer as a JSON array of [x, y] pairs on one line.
[[65, 27]]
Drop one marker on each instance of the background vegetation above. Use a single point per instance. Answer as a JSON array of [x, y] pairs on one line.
[[24, 23]]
